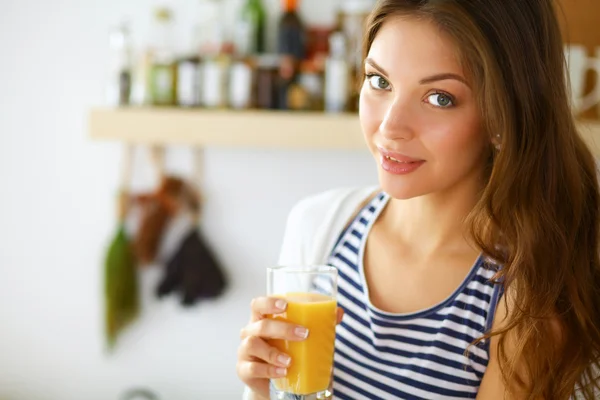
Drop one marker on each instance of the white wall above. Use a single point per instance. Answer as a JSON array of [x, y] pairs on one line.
[[57, 213]]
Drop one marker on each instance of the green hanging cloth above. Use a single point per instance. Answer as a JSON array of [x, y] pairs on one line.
[[120, 271]]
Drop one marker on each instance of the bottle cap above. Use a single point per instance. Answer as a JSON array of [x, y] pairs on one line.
[[290, 5]]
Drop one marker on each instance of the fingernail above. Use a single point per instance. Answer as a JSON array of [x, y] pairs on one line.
[[301, 332], [283, 359], [280, 371], [281, 304]]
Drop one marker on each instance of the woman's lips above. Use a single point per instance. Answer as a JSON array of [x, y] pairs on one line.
[[397, 163], [397, 156]]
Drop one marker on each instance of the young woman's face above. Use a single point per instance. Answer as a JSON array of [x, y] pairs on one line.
[[418, 113]]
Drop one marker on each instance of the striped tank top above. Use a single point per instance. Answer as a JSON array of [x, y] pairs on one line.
[[421, 355]]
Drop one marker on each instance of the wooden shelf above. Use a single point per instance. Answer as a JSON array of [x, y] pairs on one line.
[[261, 129], [264, 129]]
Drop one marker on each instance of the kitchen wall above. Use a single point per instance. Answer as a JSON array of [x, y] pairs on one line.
[[57, 214]]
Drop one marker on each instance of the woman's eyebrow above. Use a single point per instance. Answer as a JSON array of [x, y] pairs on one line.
[[426, 80], [372, 63], [443, 77]]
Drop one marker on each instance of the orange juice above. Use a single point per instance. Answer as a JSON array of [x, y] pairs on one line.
[[312, 359]]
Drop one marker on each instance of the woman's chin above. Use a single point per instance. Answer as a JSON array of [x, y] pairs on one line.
[[399, 188]]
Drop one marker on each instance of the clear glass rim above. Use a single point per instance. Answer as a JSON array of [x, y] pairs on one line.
[[303, 269]]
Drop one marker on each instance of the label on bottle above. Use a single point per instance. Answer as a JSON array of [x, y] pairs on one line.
[[213, 84], [188, 94], [240, 86], [162, 85]]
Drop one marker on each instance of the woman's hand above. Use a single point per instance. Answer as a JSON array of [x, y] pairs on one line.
[[257, 360]]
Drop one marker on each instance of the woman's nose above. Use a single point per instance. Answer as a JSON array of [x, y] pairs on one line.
[[397, 121]]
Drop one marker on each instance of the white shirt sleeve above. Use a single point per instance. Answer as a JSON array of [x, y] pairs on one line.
[[312, 228], [315, 222]]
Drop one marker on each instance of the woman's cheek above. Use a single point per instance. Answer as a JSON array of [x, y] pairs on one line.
[[369, 113]]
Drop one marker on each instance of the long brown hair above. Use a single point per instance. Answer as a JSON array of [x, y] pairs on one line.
[[538, 214]]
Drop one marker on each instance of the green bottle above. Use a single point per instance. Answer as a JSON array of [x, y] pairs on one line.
[[250, 28], [163, 73]]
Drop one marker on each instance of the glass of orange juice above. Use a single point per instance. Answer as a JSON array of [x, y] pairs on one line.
[[310, 292]]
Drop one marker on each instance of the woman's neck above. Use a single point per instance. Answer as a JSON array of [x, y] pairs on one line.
[[432, 222]]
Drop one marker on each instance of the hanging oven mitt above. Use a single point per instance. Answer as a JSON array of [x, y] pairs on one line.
[[192, 269], [203, 277]]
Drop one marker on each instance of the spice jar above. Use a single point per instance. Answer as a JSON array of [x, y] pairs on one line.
[[267, 78], [240, 85], [188, 82]]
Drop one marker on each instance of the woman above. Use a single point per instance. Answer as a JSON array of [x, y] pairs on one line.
[[474, 271]]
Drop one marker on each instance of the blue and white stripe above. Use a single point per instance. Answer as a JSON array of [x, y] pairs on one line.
[[421, 355]]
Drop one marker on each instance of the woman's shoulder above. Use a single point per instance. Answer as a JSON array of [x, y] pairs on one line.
[[315, 221], [328, 206]]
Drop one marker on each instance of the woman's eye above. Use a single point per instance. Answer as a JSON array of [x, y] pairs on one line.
[[377, 82], [441, 100]]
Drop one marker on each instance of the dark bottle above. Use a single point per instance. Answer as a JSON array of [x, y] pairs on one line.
[[267, 78], [291, 45], [291, 35]]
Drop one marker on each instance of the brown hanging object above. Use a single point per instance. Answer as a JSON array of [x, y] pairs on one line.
[[156, 209]]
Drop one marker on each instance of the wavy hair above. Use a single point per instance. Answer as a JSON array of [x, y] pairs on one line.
[[538, 214]]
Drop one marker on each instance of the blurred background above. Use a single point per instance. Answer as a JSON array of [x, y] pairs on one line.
[[93, 308]]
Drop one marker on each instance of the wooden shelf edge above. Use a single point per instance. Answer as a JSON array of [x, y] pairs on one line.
[[260, 129], [263, 129]]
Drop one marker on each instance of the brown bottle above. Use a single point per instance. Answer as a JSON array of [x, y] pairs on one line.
[[291, 33], [291, 45]]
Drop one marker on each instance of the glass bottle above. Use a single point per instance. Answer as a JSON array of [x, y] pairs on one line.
[[291, 45], [163, 71], [337, 74], [250, 28], [267, 74], [241, 77], [214, 80], [119, 86], [352, 16], [188, 81], [291, 34]]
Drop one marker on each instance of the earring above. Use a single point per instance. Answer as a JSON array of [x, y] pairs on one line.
[[497, 140]]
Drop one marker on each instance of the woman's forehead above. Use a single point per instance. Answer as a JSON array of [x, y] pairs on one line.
[[405, 43]]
